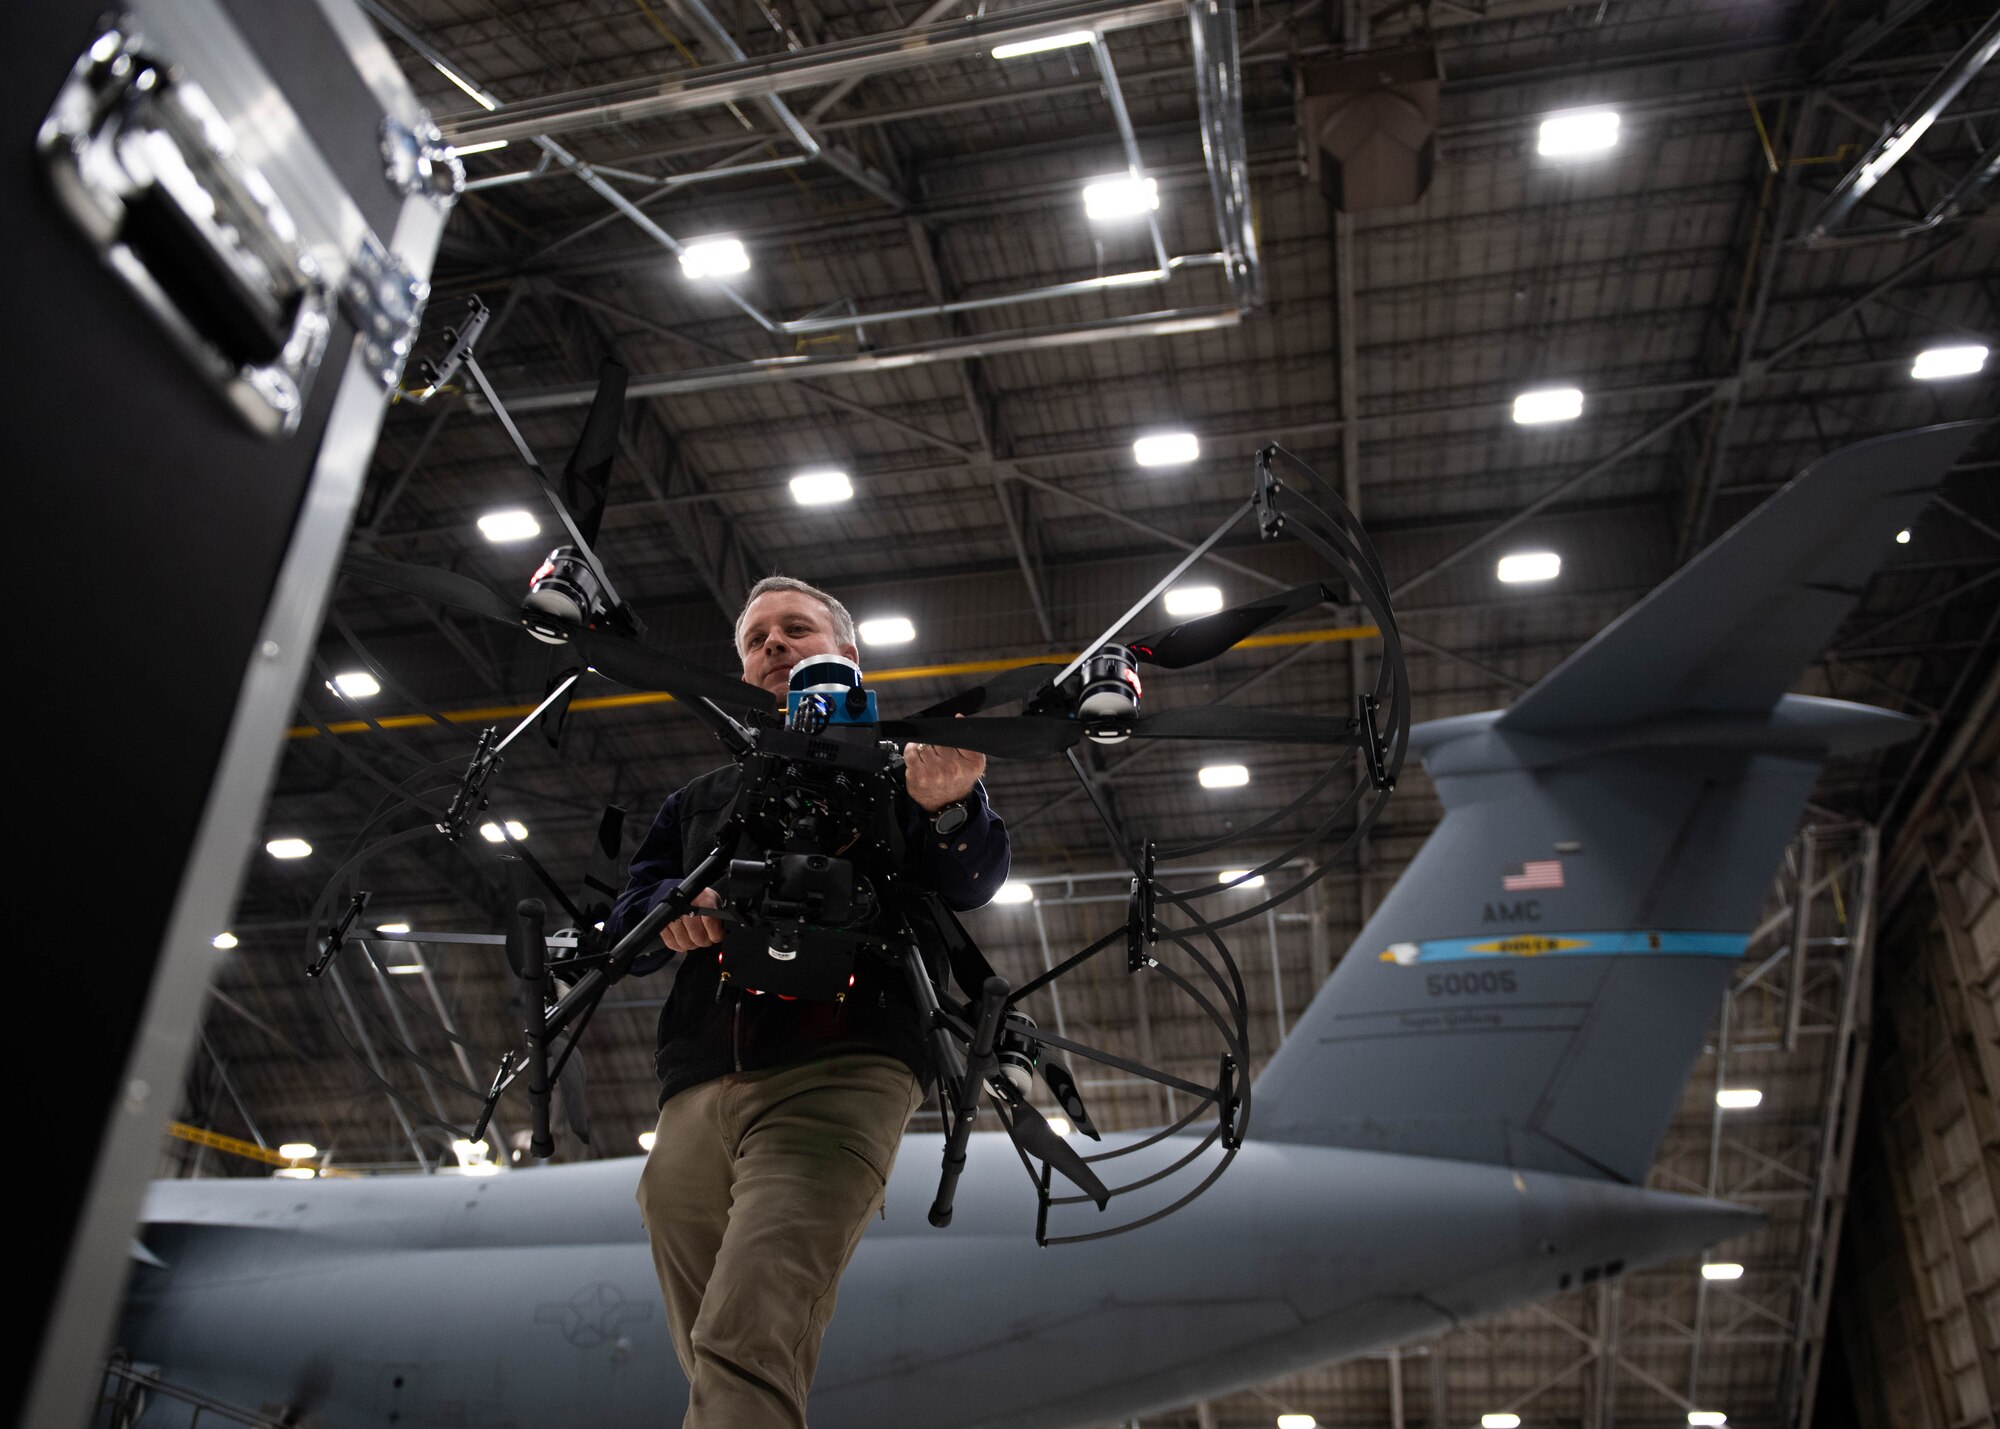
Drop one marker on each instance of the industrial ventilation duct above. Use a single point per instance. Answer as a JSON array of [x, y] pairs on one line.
[[1368, 127]]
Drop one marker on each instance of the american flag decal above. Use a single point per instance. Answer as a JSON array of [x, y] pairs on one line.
[[1537, 873]]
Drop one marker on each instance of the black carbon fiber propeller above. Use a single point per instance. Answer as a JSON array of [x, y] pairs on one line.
[[626, 661], [1041, 736], [1207, 636], [1067, 1096], [1031, 1132]]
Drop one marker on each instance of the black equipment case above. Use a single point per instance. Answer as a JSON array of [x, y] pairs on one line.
[[221, 217]]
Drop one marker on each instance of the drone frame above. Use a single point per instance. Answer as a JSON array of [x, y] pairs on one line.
[[964, 1034]]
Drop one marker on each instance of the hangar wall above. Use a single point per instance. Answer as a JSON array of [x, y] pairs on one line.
[[1918, 1308]]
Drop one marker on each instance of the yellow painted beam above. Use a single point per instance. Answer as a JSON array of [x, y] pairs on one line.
[[630, 699], [249, 1150]]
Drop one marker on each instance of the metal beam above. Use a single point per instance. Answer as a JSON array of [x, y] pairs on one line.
[[629, 101]]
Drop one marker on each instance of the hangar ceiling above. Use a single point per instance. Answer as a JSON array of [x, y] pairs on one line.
[[926, 309]]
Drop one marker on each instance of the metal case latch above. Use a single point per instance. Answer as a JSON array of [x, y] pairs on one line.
[[149, 169]]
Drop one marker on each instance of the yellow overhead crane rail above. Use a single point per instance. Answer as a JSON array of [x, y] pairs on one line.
[[633, 698], [248, 1150]]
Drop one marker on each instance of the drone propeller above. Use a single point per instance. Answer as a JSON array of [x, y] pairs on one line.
[[1004, 688], [626, 661], [1207, 636], [1041, 736], [1064, 1086], [1031, 1132]]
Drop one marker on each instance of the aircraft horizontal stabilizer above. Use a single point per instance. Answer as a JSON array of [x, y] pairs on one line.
[[1731, 630]]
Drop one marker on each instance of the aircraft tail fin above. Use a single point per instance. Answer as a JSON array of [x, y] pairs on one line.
[[1537, 986]]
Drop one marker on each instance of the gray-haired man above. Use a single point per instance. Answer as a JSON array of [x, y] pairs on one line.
[[779, 1120]]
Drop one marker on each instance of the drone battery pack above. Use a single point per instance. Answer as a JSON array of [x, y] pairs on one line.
[[222, 216], [809, 966]]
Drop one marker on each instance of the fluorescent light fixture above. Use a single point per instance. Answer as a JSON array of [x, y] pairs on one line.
[[1060, 1125], [1118, 196], [1903, 537], [473, 1155], [1231, 875], [1297, 1421], [822, 487], [889, 630], [1577, 131], [715, 258], [1017, 48], [288, 848], [1738, 1098], [1499, 1421], [486, 147], [504, 528], [1548, 404], [296, 1173], [224, 941], [406, 969], [1525, 566], [355, 684], [1707, 1417], [646, 1140], [468, 86], [1193, 600], [1014, 891], [1722, 1270], [1935, 362], [392, 928], [298, 1151], [1224, 776], [494, 833], [1166, 449]]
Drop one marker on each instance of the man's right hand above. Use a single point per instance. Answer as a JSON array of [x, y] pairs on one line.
[[685, 934]]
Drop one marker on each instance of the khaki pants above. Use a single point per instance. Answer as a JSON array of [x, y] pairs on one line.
[[757, 1190]]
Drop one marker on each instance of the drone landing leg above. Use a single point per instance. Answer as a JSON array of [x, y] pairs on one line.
[[979, 1065]]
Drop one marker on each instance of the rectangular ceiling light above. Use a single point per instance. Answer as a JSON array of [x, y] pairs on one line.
[[889, 630], [1224, 776], [1118, 196], [1552, 404], [1525, 566], [1707, 1418], [1499, 1421], [298, 1150], [1166, 449], [1722, 1270], [356, 684], [1935, 362], [1193, 600], [483, 148], [1738, 1098], [406, 969], [495, 834], [1577, 131], [224, 941], [715, 258], [1017, 48], [467, 85], [505, 527], [821, 488], [1014, 891], [1237, 878], [1297, 1421], [288, 848]]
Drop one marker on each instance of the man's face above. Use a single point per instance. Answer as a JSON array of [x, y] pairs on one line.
[[781, 628]]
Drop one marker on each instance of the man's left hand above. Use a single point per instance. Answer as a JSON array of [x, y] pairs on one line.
[[936, 775]]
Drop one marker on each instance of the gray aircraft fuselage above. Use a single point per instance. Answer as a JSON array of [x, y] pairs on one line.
[[528, 1298]]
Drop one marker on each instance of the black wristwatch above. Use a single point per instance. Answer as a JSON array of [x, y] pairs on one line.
[[951, 818]]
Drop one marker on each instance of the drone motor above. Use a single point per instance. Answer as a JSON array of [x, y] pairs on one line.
[[564, 589], [1111, 694], [1017, 1053]]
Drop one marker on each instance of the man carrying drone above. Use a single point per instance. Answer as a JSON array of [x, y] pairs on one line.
[[781, 1116]]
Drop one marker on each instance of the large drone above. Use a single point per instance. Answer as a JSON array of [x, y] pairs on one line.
[[807, 863]]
